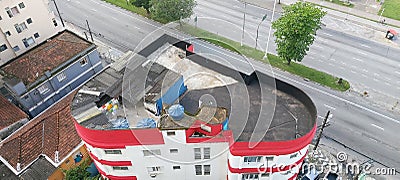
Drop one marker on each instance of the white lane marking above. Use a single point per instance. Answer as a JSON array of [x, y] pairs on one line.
[[364, 45], [365, 70], [334, 60], [397, 72], [330, 64], [114, 18], [353, 72], [363, 75], [381, 128], [376, 74], [282, 76], [358, 59], [363, 53], [388, 84], [328, 34], [376, 80], [329, 107], [343, 63], [94, 10]]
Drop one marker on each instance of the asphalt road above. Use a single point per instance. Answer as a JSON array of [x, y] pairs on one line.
[[366, 64], [363, 128]]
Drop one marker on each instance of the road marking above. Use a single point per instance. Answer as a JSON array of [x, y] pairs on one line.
[[397, 72], [328, 34], [364, 45], [311, 57], [334, 60], [388, 84], [94, 10], [353, 72], [365, 70], [330, 64], [343, 63], [354, 67], [363, 53], [276, 74], [376, 74], [358, 59], [363, 75], [376, 80], [381, 128], [329, 107]]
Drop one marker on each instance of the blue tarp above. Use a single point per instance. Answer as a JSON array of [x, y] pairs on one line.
[[92, 170], [176, 111], [121, 123], [146, 123]]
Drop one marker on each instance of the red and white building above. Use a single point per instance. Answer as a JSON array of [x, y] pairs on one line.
[[223, 134]]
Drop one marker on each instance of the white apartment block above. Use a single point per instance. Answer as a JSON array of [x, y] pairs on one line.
[[23, 25]]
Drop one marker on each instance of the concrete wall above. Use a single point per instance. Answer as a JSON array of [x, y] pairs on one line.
[[42, 23]]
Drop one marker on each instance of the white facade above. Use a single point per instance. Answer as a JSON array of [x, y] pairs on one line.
[[23, 25]]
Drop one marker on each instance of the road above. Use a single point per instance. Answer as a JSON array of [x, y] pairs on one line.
[[361, 127], [366, 64]]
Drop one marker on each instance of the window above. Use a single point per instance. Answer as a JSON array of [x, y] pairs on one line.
[[269, 159], [176, 167], [252, 159], [21, 5], [16, 48], [154, 169], [83, 61], [249, 176], [8, 33], [3, 47], [206, 153], [29, 21], [28, 42], [20, 27], [61, 76], [198, 169], [36, 35], [43, 89], [171, 133], [1, 18], [12, 12], [293, 155], [55, 22], [120, 168], [265, 175], [197, 153], [151, 152], [207, 169], [173, 150], [111, 151]]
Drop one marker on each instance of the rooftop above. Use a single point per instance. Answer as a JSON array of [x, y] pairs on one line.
[[262, 109], [56, 51], [9, 113], [47, 133]]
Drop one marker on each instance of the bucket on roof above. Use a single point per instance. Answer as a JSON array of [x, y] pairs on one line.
[[146, 123]]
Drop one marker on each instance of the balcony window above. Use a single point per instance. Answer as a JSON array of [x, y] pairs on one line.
[[207, 169], [252, 159], [176, 167], [12, 12], [43, 89], [20, 27], [206, 153], [84, 61], [118, 168], [28, 41], [173, 150], [151, 152], [112, 151], [198, 169], [29, 21], [16, 48], [197, 153], [8, 33], [36, 35], [249, 176], [21, 5]]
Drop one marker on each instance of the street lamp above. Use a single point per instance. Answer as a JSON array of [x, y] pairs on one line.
[[258, 27], [270, 30], [244, 22], [59, 15]]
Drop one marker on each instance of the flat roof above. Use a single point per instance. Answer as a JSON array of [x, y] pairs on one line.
[[264, 109], [45, 57]]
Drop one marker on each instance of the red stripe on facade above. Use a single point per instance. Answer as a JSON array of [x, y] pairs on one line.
[[268, 169], [114, 139], [271, 148], [115, 177], [293, 177], [110, 163]]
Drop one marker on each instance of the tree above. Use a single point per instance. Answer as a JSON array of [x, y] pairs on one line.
[[296, 30], [79, 172], [146, 4], [172, 10]]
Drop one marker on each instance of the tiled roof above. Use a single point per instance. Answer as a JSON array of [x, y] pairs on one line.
[[45, 57], [51, 131], [9, 113]]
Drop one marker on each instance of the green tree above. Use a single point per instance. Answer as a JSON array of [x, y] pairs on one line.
[[79, 172], [296, 30], [172, 10], [146, 4]]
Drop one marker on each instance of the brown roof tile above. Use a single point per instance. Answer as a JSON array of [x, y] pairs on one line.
[[46, 57], [9, 113], [43, 135]]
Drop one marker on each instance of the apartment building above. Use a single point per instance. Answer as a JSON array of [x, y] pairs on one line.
[[23, 25], [215, 124]]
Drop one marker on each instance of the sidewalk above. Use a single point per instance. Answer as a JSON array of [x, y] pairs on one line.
[[346, 13]]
